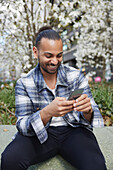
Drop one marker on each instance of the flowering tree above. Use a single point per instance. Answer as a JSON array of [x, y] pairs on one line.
[[95, 41], [90, 21], [21, 20]]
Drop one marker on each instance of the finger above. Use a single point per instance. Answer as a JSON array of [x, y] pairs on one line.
[[82, 102], [82, 97], [66, 103], [83, 108], [65, 108], [65, 111], [60, 98], [86, 110]]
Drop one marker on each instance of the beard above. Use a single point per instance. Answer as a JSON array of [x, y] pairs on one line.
[[53, 70]]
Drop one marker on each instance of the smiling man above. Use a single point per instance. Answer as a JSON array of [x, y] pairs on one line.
[[47, 122], [49, 55]]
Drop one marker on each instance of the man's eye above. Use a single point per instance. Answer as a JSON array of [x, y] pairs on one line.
[[59, 56], [48, 56]]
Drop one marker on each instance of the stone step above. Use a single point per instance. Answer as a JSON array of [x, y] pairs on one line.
[[104, 137]]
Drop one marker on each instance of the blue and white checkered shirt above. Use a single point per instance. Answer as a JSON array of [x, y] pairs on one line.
[[32, 95]]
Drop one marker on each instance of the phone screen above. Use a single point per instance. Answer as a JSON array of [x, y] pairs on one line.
[[75, 94]]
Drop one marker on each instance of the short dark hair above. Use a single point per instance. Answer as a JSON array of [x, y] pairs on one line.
[[46, 32]]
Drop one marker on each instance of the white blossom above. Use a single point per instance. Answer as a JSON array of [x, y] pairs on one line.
[[95, 41], [91, 21]]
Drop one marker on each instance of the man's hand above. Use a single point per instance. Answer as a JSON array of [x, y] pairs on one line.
[[58, 107], [83, 104]]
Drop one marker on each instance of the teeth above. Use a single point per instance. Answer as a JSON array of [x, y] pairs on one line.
[[52, 66]]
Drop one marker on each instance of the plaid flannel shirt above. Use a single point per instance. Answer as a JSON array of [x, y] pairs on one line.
[[32, 95]]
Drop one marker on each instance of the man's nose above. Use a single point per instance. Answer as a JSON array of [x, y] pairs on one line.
[[54, 61]]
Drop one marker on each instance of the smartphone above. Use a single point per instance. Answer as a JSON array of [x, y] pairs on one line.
[[75, 94]]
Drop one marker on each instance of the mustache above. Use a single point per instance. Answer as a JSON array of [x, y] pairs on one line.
[[55, 64]]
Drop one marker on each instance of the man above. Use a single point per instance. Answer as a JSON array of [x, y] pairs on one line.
[[48, 123]]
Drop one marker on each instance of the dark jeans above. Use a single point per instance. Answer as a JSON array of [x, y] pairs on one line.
[[76, 145]]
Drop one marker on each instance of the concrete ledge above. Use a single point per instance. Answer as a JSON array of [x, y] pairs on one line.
[[104, 137], [56, 163]]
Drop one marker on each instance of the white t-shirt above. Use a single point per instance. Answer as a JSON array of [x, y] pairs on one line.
[[57, 121]]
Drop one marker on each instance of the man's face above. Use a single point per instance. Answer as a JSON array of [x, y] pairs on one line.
[[50, 55]]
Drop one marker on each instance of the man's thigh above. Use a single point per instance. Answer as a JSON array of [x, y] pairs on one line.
[[24, 151], [82, 150]]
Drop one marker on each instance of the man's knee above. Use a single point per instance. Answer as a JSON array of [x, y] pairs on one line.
[[5, 160], [95, 163], [6, 157], [12, 160], [101, 163]]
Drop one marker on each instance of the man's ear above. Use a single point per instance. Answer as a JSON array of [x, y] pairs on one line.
[[35, 52]]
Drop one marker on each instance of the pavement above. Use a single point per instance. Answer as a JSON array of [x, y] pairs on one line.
[[103, 135]]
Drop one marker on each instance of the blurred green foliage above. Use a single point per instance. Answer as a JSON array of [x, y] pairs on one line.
[[7, 105], [102, 93], [103, 96]]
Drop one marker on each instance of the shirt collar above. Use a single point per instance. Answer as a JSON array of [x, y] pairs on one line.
[[39, 80], [62, 76]]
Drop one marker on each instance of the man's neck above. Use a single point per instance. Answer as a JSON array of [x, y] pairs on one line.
[[50, 79]]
